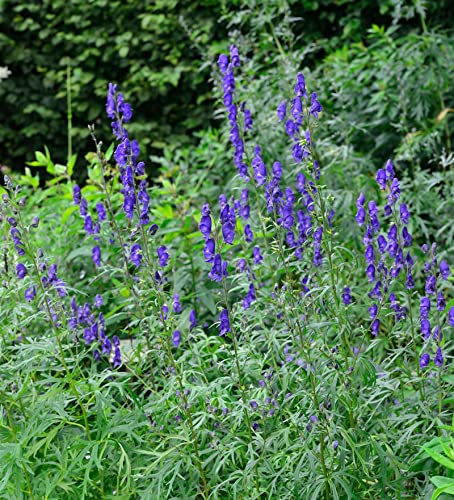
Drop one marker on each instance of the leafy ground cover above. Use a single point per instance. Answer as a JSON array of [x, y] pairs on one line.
[[270, 318]]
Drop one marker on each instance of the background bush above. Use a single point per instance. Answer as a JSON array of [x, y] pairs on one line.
[[162, 54]]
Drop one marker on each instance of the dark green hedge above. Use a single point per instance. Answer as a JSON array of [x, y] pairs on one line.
[[141, 45], [160, 52]]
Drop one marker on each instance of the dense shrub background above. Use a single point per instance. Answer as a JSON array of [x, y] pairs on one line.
[[162, 53]]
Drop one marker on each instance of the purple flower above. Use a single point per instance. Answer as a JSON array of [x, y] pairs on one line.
[[431, 284], [98, 301], [224, 322], [96, 256], [228, 231], [208, 250], [437, 334], [248, 123], [218, 270], [406, 237], [375, 327], [373, 309], [117, 357], [425, 328], [395, 190], [441, 302], [101, 212], [258, 166], [300, 87], [106, 346], [254, 404], [424, 360], [381, 178], [250, 297], [281, 111], [438, 359], [223, 62], [136, 254], [205, 226], [444, 270], [257, 255], [451, 316], [163, 256], [21, 271], [360, 216], [76, 194], [369, 254], [88, 225], [370, 272], [424, 308], [316, 107], [389, 170], [176, 338], [410, 282], [192, 320], [346, 297], [30, 294], [234, 56], [248, 234], [404, 213], [382, 243], [176, 304]]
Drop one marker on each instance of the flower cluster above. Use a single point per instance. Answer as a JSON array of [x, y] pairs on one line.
[[227, 66], [434, 273], [386, 253], [94, 330]]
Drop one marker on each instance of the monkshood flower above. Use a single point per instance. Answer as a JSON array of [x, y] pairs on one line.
[[316, 107], [209, 250], [192, 320], [30, 293], [300, 87], [361, 214], [224, 325], [21, 271], [176, 304], [136, 254], [248, 234], [228, 222], [444, 270], [281, 111], [96, 256], [18, 244], [250, 297], [424, 360], [451, 316], [438, 359], [176, 338], [375, 327], [424, 308], [259, 166], [219, 269], [76, 194], [257, 255], [116, 362], [346, 296], [205, 221], [441, 302], [431, 285], [163, 256], [98, 301]]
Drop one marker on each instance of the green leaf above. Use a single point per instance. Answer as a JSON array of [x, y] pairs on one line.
[[443, 484], [71, 164], [438, 457]]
